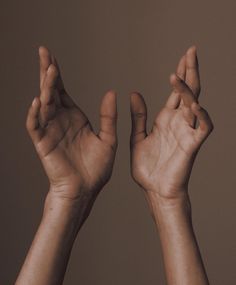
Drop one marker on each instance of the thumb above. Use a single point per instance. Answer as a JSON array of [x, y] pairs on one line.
[[138, 111], [108, 118]]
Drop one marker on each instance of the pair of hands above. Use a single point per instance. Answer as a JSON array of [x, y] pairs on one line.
[[78, 161]]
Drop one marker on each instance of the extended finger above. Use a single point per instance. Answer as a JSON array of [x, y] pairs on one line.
[[181, 68], [47, 96], [108, 118], [44, 62], [192, 71]]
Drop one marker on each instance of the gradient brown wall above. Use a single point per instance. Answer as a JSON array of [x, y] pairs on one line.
[[126, 46]]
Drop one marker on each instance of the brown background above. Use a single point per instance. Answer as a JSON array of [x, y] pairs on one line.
[[126, 46]]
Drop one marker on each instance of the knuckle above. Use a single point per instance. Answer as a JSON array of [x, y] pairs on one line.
[[108, 117]]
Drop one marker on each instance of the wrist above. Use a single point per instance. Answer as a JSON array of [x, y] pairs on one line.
[[74, 209], [159, 204], [71, 195]]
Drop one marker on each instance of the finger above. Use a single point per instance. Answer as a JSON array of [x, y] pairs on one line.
[[187, 98], [174, 99], [179, 86], [139, 117], [32, 121], [60, 84], [65, 99], [192, 71], [44, 62], [47, 96], [205, 124], [181, 68], [49, 85], [108, 118]]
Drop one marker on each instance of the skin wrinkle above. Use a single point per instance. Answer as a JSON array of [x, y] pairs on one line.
[[79, 163], [55, 147], [79, 130]]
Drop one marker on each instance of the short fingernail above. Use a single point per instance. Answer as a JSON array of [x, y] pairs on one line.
[[51, 66], [34, 102]]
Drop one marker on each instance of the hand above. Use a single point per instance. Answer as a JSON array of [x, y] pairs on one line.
[[73, 156], [161, 161]]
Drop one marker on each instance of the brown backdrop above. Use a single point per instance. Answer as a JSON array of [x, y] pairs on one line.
[[126, 46]]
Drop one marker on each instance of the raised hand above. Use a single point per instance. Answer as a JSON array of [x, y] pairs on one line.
[[78, 163], [73, 156], [161, 161]]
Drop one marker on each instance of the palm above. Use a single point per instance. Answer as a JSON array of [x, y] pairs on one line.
[[166, 152], [71, 153], [70, 150], [161, 161]]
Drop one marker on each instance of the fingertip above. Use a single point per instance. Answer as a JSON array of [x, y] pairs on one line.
[[192, 49], [110, 96], [136, 100], [35, 107], [108, 104], [36, 102], [52, 69], [135, 94], [174, 79], [192, 58], [43, 50], [111, 93], [33, 112]]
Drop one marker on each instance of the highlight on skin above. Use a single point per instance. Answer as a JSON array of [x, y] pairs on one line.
[[79, 162]]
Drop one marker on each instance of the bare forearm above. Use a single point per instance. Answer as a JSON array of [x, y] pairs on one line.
[[182, 258], [48, 256]]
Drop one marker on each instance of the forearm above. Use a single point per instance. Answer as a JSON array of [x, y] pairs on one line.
[[48, 256], [182, 258]]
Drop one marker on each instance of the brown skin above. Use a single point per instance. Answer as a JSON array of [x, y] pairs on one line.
[[165, 156], [71, 153], [78, 164], [161, 163]]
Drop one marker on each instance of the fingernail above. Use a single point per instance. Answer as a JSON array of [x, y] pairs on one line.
[[34, 102], [49, 68]]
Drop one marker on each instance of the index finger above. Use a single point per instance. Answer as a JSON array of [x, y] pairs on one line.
[[44, 62]]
